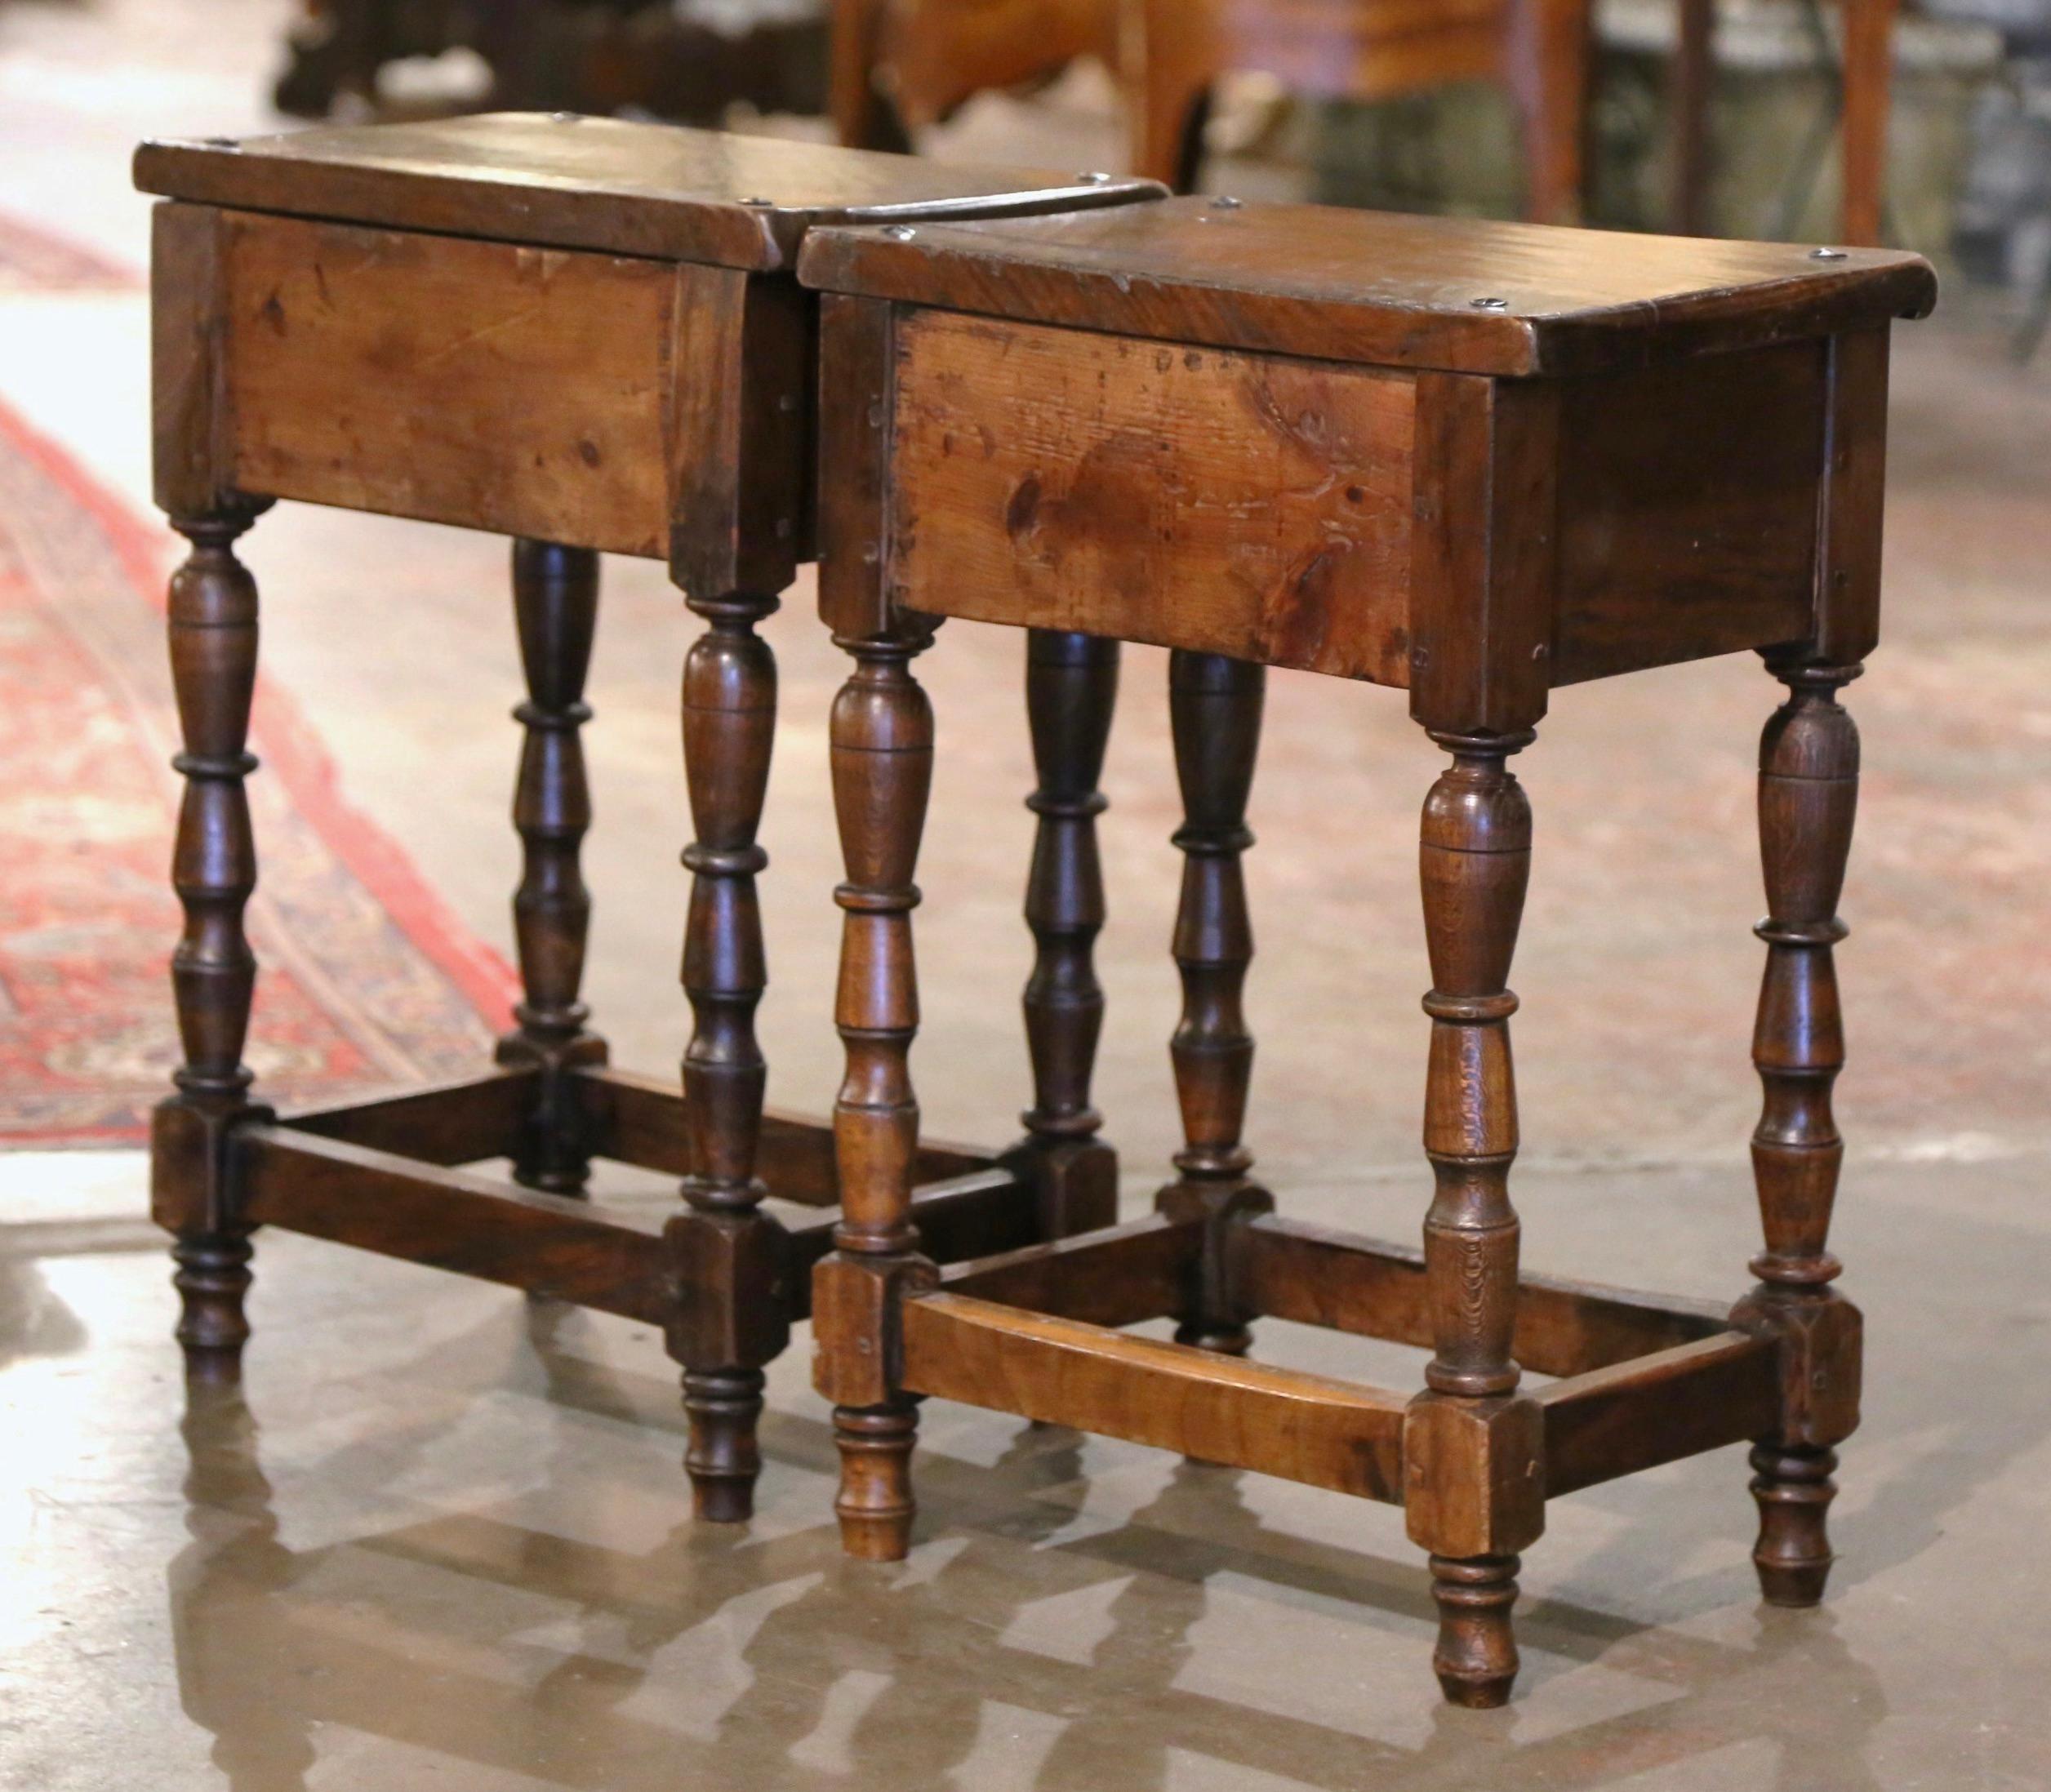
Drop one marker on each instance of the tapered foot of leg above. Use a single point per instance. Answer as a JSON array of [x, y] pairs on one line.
[[723, 1406], [1476, 1658], [875, 1506], [211, 1279], [1793, 1489]]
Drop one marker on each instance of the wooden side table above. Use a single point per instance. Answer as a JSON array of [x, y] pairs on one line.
[[585, 334], [1475, 461]]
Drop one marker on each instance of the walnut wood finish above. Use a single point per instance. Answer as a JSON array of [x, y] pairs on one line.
[[729, 727], [1215, 706], [555, 603], [1071, 690], [213, 971], [1078, 502], [1636, 452], [882, 763], [1215, 1408], [645, 1121], [1657, 1408], [662, 191], [584, 334], [1291, 1270], [1474, 861], [449, 1123], [1120, 1275], [330, 1185], [1375, 289], [1808, 796]]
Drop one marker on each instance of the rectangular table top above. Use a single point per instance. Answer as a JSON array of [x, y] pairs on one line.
[[568, 181], [1462, 295]]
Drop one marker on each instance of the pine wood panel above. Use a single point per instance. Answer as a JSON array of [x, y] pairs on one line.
[[518, 390], [1252, 506]]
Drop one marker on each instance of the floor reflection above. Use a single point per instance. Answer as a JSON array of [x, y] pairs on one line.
[[721, 1658]]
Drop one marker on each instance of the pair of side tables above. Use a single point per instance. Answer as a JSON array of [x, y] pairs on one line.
[[1473, 461]]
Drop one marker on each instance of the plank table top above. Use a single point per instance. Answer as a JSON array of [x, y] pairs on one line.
[[568, 181], [1458, 295]]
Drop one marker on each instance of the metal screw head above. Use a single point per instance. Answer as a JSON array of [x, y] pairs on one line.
[[221, 143], [900, 232], [1489, 305], [1224, 201], [1094, 177], [767, 204], [1826, 255]]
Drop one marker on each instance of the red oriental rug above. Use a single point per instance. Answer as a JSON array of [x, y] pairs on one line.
[[368, 983], [32, 260]]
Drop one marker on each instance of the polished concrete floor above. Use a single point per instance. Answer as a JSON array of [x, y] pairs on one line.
[[441, 1541]]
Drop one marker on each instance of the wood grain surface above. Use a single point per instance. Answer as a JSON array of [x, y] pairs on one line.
[[1375, 288], [624, 187], [1254, 506]]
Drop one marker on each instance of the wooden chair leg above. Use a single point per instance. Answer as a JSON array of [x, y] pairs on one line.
[[213, 621], [1808, 798], [883, 762], [732, 1257], [1547, 64], [1464, 1435], [1071, 690], [1215, 706], [555, 604], [863, 115], [1689, 93], [1869, 85]]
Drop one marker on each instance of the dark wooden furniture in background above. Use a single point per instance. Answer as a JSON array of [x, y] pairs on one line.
[[1867, 56], [587, 335], [1476, 461], [1363, 50], [900, 65], [585, 56]]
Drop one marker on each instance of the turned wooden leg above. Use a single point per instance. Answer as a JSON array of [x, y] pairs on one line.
[[883, 764], [1808, 796], [732, 1257], [1547, 55], [555, 603], [1475, 1496], [1071, 688], [213, 973], [1215, 707]]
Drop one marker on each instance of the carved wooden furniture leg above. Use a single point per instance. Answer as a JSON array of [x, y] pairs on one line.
[[1215, 706], [213, 974], [604, 318], [555, 602], [1807, 795], [1071, 689], [882, 767], [1475, 490], [1474, 861], [732, 1256]]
